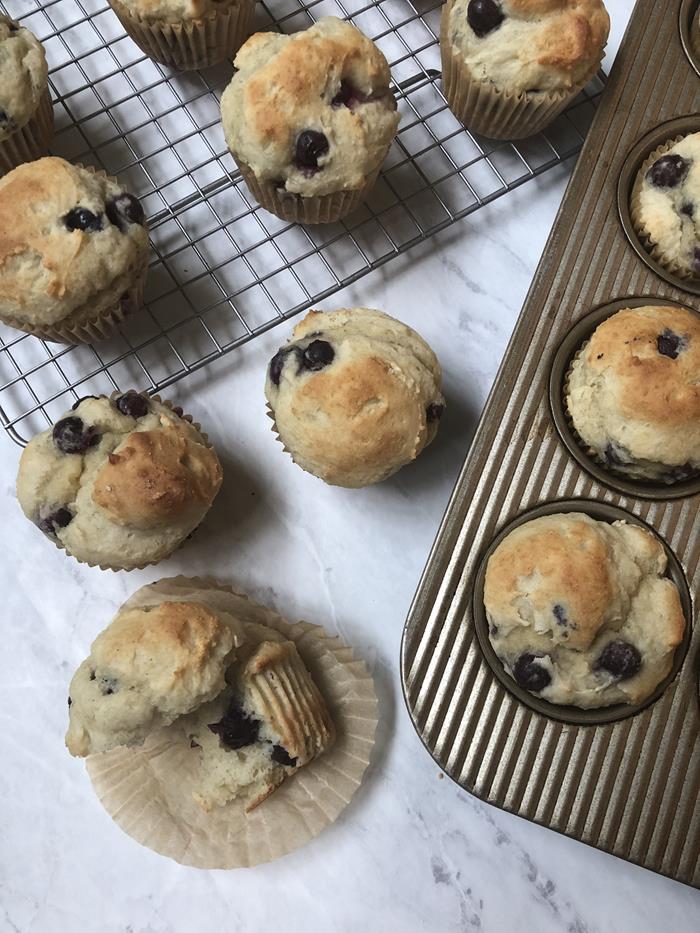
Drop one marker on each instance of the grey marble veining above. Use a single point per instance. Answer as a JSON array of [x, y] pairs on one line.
[[413, 852]]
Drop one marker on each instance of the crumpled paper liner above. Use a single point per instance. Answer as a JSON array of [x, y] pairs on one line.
[[185, 417], [148, 791], [495, 113], [191, 44], [323, 209], [106, 319], [30, 141], [643, 233]]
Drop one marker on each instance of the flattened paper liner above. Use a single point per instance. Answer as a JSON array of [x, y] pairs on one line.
[[190, 44], [205, 439], [30, 141], [148, 791], [645, 236], [323, 209], [495, 113]]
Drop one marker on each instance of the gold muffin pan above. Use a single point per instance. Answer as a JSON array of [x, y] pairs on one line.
[[601, 512], [626, 778], [568, 348]]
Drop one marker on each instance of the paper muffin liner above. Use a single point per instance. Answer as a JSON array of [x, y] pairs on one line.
[[176, 409], [323, 209], [496, 113], [106, 320], [645, 237], [190, 44], [30, 141], [148, 790]]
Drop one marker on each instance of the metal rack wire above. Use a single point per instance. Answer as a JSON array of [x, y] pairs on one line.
[[223, 270]]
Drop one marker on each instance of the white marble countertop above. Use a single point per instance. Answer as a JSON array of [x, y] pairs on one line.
[[413, 851]]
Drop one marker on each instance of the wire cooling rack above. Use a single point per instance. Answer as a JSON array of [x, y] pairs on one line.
[[223, 270]]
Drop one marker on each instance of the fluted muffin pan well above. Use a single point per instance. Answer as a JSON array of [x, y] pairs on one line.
[[602, 512], [638, 154], [574, 341], [626, 780], [690, 31]]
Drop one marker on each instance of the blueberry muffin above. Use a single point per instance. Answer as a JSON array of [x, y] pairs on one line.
[[633, 393], [26, 112], [355, 395], [509, 67], [665, 206], [187, 34], [119, 482], [73, 251], [309, 119], [235, 693], [580, 612]]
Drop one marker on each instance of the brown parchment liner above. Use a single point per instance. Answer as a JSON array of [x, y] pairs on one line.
[[148, 791], [644, 234], [191, 44], [491, 111], [185, 417], [322, 209], [30, 141], [72, 329]]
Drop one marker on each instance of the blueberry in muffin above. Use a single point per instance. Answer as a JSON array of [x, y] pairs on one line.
[[633, 394], [580, 612], [355, 395], [73, 250], [119, 482]]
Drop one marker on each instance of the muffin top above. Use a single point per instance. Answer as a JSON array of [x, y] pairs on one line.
[[71, 242], [579, 611], [118, 482], [634, 394], [174, 11], [23, 76], [355, 395], [313, 111], [149, 666], [529, 45], [666, 205]]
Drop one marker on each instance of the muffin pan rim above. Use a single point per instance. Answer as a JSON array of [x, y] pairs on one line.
[[659, 134], [687, 11], [573, 715], [574, 339]]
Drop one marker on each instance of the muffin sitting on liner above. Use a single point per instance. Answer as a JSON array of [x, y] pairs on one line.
[[119, 482], [633, 393], [186, 34], [665, 205], [73, 251], [355, 395], [309, 119], [509, 67], [26, 111], [579, 611]]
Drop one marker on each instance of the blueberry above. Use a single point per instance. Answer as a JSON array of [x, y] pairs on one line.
[[620, 659], [348, 96], [484, 16], [282, 756], [71, 436], [668, 171], [529, 674], [6, 121], [81, 400], [80, 218], [560, 615], [670, 344], [58, 519], [133, 404], [317, 355], [123, 210], [70, 702], [615, 455], [108, 686], [235, 728], [688, 209], [434, 411], [277, 365], [680, 473], [310, 146], [696, 261], [194, 744], [92, 675]]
